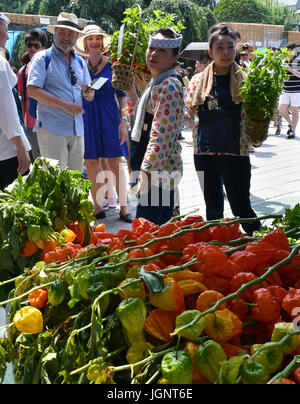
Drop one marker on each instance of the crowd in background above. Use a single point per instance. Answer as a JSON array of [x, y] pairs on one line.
[[65, 119]]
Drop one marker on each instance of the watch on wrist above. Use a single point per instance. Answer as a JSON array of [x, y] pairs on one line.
[[125, 118]]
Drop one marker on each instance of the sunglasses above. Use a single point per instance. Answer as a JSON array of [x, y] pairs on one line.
[[33, 45], [73, 76]]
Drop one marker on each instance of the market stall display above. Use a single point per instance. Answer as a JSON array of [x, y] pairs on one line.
[[35, 210], [186, 302]]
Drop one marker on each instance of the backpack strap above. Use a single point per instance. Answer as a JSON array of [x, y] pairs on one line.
[[79, 59], [47, 58]]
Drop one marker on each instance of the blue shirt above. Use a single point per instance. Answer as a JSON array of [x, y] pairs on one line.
[[56, 80]]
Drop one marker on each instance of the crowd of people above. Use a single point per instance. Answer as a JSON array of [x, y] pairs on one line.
[[90, 130]]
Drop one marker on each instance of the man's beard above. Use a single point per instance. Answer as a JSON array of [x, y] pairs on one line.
[[64, 49]]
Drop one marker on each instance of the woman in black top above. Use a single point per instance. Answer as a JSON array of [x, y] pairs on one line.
[[223, 146]]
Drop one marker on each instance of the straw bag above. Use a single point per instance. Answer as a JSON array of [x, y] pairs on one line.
[[122, 74]]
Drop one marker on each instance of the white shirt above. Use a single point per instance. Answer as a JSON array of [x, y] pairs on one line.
[[10, 126]]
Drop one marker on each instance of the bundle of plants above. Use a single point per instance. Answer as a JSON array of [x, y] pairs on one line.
[[129, 44], [260, 91]]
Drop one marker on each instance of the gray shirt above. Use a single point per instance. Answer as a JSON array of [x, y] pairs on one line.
[[56, 80]]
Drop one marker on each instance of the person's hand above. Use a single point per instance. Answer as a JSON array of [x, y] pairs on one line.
[[131, 93], [23, 160], [144, 183], [190, 110], [72, 109], [123, 131], [289, 69], [141, 82], [250, 47], [87, 93]]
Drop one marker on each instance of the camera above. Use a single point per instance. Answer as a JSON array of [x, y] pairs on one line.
[[245, 47]]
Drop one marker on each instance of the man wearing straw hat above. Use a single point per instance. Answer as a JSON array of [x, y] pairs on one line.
[[58, 80]]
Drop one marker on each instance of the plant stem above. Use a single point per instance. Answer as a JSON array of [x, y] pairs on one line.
[[286, 371], [152, 357], [236, 294], [275, 344], [14, 299]]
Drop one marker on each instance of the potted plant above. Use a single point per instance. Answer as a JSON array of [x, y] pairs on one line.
[[261, 88]]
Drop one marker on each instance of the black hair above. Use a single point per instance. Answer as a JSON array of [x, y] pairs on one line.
[[25, 59], [36, 35], [223, 31], [216, 27], [169, 33], [236, 34]]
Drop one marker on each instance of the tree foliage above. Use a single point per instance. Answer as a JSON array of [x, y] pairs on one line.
[[251, 11], [282, 14], [190, 14]]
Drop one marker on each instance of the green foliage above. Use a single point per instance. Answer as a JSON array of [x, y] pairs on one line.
[[190, 14], [263, 83], [244, 11], [281, 14], [148, 25]]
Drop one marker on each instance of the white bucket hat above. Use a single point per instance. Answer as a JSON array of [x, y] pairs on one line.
[[65, 20], [88, 31]]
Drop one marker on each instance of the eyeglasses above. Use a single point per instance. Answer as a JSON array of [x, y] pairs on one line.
[[33, 45], [73, 76]]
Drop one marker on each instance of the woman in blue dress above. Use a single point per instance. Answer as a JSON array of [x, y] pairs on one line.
[[105, 125]]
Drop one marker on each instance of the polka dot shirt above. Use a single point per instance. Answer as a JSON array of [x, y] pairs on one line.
[[163, 153]]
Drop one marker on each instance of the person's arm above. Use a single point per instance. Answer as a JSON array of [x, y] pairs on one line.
[[293, 71], [22, 155], [36, 81], [123, 128], [10, 122], [45, 98], [189, 93]]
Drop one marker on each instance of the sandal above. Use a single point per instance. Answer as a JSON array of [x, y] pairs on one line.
[[126, 218], [278, 131], [100, 215]]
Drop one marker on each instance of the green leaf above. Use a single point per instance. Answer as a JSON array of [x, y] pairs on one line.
[[153, 280], [3, 361]]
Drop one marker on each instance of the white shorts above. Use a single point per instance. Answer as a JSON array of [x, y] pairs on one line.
[[292, 99], [67, 150]]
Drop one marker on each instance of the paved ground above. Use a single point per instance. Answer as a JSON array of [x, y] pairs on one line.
[[275, 179], [275, 185]]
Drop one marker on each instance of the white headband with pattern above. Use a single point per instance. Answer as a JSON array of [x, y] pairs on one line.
[[170, 43], [4, 18]]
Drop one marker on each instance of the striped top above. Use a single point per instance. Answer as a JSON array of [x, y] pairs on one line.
[[293, 84]]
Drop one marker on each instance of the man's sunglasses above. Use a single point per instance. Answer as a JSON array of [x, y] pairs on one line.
[[33, 45], [73, 76]]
